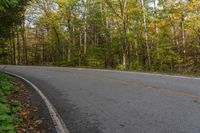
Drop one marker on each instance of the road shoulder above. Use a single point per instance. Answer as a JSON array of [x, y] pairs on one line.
[[35, 114]]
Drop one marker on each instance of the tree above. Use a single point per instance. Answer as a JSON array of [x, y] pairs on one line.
[[123, 34], [11, 15]]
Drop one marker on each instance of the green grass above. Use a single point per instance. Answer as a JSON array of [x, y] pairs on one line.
[[8, 109]]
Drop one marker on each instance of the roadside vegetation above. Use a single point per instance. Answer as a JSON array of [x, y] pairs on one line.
[[19, 111], [140, 35], [9, 109]]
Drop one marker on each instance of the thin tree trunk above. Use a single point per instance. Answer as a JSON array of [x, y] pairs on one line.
[[11, 50], [70, 39], [79, 50], [14, 48], [183, 38], [146, 33], [69, 55], [23, 34], [85, 39], [18, 49], [3, 52], [124, 30], [85, 27], [156, 32], [36, 54]]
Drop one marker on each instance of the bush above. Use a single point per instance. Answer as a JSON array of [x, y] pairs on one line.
[[7, 113]]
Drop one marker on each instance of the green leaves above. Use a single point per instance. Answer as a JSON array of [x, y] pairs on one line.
[[5, 127], [5, 85], [16, 106], [102, 33], [7, 109], [4, 108], [11, 16], [6, 3], [6, 118]]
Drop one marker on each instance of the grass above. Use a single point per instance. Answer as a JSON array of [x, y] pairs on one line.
[[8, 108]]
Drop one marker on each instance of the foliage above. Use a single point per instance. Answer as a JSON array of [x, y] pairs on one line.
[[123, 34], [6, 3], [11, 16], [7, 110]]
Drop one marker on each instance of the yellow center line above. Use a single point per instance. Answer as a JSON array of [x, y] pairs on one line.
[[165, 90]]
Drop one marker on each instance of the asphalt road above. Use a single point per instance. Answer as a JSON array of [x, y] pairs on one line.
[[95, 101]]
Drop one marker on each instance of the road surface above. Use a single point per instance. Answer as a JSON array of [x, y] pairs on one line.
[[100, 101]]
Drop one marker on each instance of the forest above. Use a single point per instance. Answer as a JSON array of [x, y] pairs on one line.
[[139, 35]]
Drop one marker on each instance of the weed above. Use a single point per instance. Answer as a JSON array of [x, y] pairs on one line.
[[8, 109]]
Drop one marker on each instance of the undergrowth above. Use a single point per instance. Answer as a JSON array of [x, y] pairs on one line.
[[8, 108]]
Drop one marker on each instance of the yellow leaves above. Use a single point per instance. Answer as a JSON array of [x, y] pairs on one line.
[[37, 122], [132, 7], [151, 25], [67, 2], [51, 18], [62, 1], [24, 115], [194, 5]]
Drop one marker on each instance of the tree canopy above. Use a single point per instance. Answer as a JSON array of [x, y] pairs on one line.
[[122, 34], [11, 16]]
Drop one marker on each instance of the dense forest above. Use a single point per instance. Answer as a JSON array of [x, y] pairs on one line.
[[142, 35]]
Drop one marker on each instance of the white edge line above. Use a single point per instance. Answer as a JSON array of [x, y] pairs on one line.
[[58, 122]]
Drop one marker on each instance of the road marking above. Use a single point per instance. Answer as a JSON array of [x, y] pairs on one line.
[[117, 71], [131, 84], [58, 122], [182, 93], [132, 72]]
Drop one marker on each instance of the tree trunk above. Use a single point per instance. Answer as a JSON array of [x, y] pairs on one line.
[[85, 27], [14, 48], [146, 34], [124, 32], [2, 55], [23, 34], [156, 33], [18, 49]]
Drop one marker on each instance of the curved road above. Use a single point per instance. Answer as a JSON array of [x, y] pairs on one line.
[[101, 101]]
